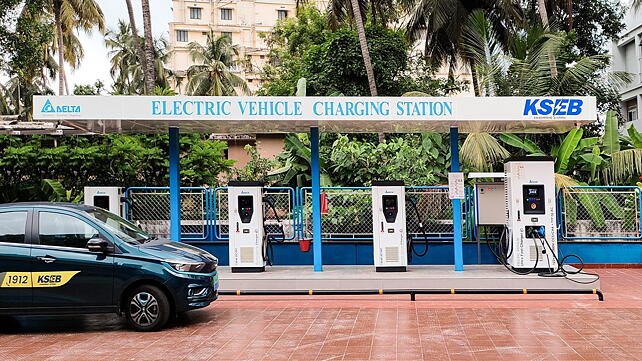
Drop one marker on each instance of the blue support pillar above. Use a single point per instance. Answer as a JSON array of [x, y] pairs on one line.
[[316, 199], [457, 214], [174, 186]]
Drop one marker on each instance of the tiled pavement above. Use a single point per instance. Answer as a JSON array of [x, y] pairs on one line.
[[444, 327]]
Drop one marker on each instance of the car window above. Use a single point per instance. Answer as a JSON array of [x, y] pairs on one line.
[[57, 229], [12, 227]]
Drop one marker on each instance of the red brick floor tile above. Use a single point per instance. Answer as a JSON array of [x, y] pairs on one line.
[[436, 327]]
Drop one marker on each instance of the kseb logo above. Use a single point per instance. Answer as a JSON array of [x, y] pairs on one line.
[[553, 107]]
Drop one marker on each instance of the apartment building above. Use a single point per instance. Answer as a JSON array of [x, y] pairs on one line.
[[246, 22], [627, 57]]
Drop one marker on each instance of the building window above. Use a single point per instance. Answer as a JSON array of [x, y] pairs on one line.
[[226, 14], [632, 114], [181, 35], [282, 14], [195, 13], [227, 33]]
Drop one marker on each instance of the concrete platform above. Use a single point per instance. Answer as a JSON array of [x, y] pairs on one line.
[[363, 278]]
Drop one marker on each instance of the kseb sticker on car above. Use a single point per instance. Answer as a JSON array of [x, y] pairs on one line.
[[36, 279]]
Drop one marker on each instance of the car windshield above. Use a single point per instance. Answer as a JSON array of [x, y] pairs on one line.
[[121, 228]]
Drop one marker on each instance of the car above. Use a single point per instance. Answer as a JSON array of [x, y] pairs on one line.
[[64, 258]]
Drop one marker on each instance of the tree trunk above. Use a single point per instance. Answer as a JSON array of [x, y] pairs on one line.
[[356, 11], [61, 59], [541, 4], [569, 12], [137, 44], [149, 46], [473, 74]]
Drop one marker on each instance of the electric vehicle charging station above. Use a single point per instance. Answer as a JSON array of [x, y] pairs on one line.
[[531, 213], [132, 114], [108, 198], [390, 245], [247, 244]]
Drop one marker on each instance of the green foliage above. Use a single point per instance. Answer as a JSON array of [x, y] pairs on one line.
[[57, 192], [113, 160], [415, 159], [257, 169], [212, 74], [332, 63], [126, 66], [89, 89]]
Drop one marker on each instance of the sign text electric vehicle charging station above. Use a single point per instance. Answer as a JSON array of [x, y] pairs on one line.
[[148, 114]]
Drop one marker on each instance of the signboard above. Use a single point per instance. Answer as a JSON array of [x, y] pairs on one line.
[[312, 108], [275, 114], [456, 189]]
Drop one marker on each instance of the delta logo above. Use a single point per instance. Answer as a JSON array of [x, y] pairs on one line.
[[65, 109], [553, 107]]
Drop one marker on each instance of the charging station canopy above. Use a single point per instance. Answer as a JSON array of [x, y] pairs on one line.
[[154, 114]]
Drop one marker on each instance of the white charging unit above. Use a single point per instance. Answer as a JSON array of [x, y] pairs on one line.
[[108, 198], [389, 226], [531, 215], [246, 232]]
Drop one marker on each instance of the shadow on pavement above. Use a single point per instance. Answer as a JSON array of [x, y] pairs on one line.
[[86, 323]]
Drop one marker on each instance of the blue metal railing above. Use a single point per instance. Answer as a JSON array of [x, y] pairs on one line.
[[220, 236], [592, 205], [158, 214]]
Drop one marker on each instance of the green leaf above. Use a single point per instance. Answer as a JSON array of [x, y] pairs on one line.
[[568, 146], [592, 158], [512, 139], [611, 141], [588, 142], [636, 137]]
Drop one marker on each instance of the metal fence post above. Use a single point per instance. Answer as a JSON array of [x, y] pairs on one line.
[[174, 186], [457, 229], [316, 201]]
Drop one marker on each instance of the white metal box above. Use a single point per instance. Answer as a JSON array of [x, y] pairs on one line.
[[490, 203], [530, 205], [389, 226], [108, 198], [246, 232]]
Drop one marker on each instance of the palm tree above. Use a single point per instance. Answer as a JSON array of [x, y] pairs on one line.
[[150, 78], [211, 74], [127, 64], [137, 42], [70, 15], [339, 12], [442, 23]]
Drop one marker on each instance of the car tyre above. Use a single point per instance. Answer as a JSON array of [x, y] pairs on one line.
[[147, 308]]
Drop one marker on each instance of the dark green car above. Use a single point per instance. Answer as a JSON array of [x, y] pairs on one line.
[[59, 258]]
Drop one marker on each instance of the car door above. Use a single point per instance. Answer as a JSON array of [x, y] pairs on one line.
[[65, 272], [15, 253]]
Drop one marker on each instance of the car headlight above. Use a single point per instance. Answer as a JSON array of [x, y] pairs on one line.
[[185, 266]]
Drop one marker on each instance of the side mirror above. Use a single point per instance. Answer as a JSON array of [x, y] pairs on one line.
[[99, 245]]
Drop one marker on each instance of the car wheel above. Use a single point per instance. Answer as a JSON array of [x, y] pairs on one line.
[[147, 308]]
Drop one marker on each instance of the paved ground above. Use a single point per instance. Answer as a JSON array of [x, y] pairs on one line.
[[448, 327]]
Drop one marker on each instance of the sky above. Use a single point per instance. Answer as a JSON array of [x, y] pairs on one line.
[[95, 64]]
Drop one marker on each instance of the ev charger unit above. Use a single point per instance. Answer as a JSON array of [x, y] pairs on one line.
[[389, 226], [531, 212], [247, 234], [108, 198]]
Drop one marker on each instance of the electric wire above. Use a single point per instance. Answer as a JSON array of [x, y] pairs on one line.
[[270, 239], [561, 271], [411, 242]]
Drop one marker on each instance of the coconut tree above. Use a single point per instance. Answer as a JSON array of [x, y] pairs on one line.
[[137, 43], [150, 78], [71, 15], [127, 65], [440, 24], [212, 74]]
